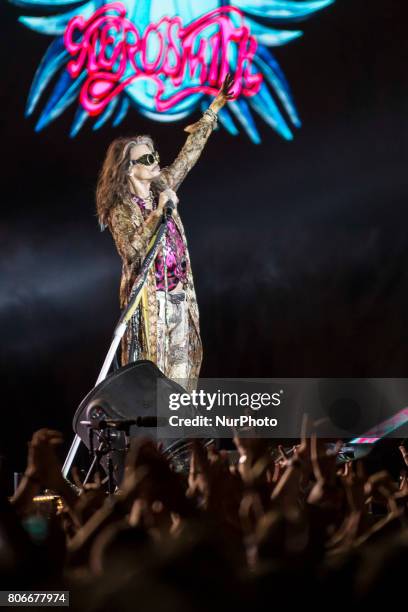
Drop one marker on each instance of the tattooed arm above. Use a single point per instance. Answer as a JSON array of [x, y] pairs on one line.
[[199, 132]]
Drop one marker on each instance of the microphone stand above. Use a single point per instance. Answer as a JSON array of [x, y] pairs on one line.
[[125, 317]]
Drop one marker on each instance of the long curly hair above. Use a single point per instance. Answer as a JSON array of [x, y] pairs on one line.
[[112, 185]]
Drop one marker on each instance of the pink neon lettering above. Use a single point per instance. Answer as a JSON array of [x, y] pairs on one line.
[[114, 54]]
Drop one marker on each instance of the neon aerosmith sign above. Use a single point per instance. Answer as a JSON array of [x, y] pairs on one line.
[[114, 54], [165, 58]]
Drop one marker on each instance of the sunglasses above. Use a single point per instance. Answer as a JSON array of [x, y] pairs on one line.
[[147, 160]]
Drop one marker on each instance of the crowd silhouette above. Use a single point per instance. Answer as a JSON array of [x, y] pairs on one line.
[[291, 527]]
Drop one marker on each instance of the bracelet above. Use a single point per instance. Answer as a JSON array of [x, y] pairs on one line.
[[210, 113]]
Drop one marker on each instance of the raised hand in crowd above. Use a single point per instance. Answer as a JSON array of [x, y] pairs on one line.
[[43, 471], [215, 487]]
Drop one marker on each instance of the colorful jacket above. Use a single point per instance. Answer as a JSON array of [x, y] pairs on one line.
[[132, 236]]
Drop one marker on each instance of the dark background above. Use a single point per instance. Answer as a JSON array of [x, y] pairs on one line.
[[299, 250]]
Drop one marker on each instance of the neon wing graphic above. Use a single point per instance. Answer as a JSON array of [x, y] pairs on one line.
[[265, 24]]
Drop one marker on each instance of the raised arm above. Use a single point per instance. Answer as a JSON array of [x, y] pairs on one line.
[[174, 175], [199, 132]]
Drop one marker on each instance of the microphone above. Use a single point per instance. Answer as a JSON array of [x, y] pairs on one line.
[[168, 209]]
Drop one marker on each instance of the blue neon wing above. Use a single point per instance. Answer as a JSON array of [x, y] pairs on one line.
[[54, 25], [65, 92], [122, 111], [268, 21], [281, 10], [55, 58], [80, 117], [45, 4]]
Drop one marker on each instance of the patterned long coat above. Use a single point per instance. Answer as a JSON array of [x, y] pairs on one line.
[[132, 236]]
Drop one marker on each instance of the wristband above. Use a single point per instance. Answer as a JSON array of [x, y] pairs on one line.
[[210, 113]]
